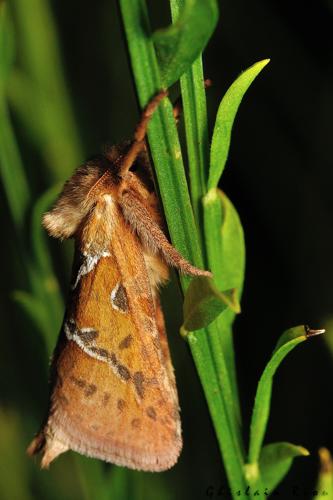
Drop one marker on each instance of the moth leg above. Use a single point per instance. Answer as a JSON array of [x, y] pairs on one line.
[[152, 235], [138, 143]]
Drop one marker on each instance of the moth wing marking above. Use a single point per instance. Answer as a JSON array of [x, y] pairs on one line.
[[136, 423]]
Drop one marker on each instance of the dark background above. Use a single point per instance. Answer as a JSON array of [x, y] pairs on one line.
[[279, 176]]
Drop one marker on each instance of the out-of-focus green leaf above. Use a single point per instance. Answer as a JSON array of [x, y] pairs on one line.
[[14, 478], [276, 460], [135, 485], [6, 44], [203, 302], [178, 45], [45, 307], [20, 89], [288, 340], [40, 249], [224, 121], [34, 309], [40, 64], [329, 335], [325, 478], [12, 172], [93, 478]]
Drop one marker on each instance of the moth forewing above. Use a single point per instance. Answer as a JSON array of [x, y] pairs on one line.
[[113, 391], [114, 397]]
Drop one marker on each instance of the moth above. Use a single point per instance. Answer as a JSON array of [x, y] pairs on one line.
[[113, 390]]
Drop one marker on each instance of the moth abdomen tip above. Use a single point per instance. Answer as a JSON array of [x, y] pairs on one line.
[[36, 445], [49, 447]]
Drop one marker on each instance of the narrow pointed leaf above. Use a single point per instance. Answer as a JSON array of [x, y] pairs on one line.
[[178, 45], [34, 310], [288, 340], [225, 119], [276, 460]]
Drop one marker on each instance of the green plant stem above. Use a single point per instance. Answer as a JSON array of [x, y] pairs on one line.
[[228, 270], [162, 133], [166, 153], [226, 387], [196, 126], [195, 115], [231, 453], [192, 87]]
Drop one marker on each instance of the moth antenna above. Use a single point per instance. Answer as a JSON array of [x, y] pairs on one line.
[[138, 143], [152, 235]]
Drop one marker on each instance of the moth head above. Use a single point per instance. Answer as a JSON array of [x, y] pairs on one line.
[[120, 169], [138, 176], [100, 175]]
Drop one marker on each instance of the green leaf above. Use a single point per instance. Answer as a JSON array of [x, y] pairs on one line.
[[40, 249], [224, 240], [203, 303], [40, 62], [224, 121], [35, 310], [276, 460], [288, 340], [41, 257], [11, 168], [178, 45], [6, 44], [135, 485], [15, 477]]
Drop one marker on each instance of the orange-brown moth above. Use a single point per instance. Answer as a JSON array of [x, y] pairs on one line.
[[113, 391]]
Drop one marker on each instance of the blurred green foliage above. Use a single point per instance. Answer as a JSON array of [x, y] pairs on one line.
[[279, 180]]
